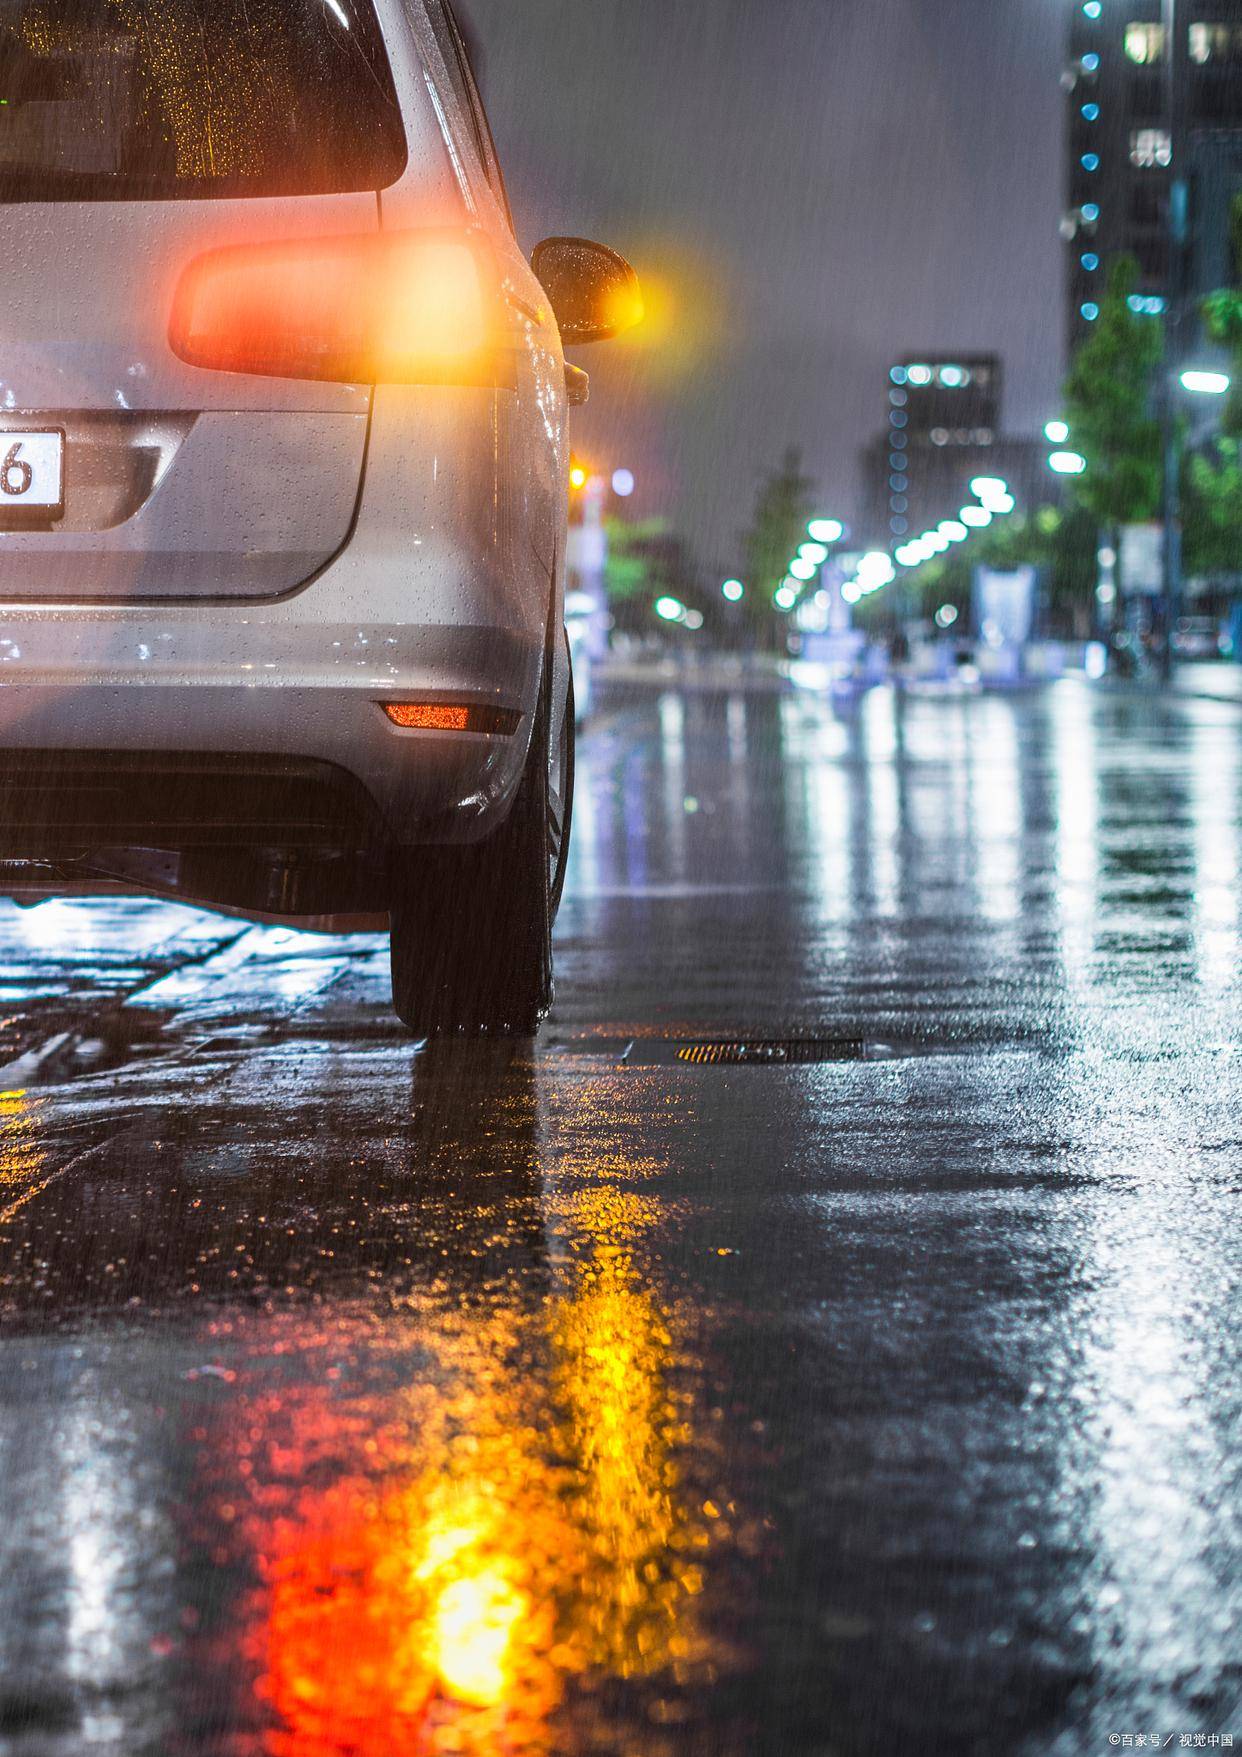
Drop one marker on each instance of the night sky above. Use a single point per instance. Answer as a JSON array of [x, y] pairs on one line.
[[811, 188]]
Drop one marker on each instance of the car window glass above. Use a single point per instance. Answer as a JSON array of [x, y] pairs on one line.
[[125, 99], [457, 57]]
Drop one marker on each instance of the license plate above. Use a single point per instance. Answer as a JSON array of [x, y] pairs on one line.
[[32, 471]]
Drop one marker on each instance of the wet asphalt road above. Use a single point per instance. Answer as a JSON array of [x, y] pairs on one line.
[[588, 1400]]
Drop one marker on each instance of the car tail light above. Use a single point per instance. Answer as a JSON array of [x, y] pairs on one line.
[[417, 307], [453, 717]]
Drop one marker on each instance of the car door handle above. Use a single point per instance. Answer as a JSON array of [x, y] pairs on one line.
[[577, 386]]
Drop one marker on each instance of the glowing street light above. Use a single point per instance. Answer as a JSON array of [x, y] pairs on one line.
[[670, 609], [785, 597], [876, 566], [825, 530], [815, 553], [954, 530], [734, 591], [623, 483], [1067, 463], [1205, 384], [978, 518], [577, 476], [803, 570], [1057, 432], [989, 488]]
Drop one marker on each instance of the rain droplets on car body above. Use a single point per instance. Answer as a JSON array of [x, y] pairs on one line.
[[283, 420]]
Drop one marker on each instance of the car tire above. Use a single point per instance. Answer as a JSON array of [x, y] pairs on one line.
[[472, 927]]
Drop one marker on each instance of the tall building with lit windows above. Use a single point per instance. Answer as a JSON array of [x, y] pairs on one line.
[[944, 421], [1120, 145]]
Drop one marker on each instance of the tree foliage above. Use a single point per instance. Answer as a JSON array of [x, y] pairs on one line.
[[782, 509], [648, 560], [1109, 404], [1212, 488], [1212, 508]]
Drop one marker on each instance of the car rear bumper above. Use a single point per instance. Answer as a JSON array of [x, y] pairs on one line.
[[153, 725]]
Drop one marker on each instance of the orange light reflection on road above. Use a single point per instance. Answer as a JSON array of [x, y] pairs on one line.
[[21, 1156], [519, 1524]]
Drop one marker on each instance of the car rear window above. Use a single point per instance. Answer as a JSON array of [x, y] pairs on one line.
[[106, 100]]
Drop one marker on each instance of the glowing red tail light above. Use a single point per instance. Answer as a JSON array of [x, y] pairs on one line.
[[418, 307], [453, 717]]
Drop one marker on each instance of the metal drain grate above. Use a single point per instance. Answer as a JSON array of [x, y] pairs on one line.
[[786, 1052], [738, 1052]]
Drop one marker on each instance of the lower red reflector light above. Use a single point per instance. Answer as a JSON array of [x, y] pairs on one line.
[[452, 717]]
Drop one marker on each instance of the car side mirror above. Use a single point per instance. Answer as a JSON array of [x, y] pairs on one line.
[[594, 293]]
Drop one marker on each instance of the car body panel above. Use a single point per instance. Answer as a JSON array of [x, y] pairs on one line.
[[369, 544]]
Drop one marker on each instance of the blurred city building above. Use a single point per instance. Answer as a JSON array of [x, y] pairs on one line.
[[1119, 121], [944, 429]]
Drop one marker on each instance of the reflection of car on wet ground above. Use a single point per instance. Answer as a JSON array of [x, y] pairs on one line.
[[284, 464], [582, 618]]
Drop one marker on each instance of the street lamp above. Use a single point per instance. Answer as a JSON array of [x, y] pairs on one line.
[[670, 609], [1057, 432], [734, 591], [1067, 463], [825, 530], [990, 489], [1204, 383]]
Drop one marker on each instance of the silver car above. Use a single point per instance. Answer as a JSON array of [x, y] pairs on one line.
[[283, 484]]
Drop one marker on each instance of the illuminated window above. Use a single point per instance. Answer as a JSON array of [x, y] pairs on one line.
[[1145, 43], [1151, 148], [1215, 42]]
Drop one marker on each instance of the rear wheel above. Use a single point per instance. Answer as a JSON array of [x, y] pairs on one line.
[[472, 927]]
